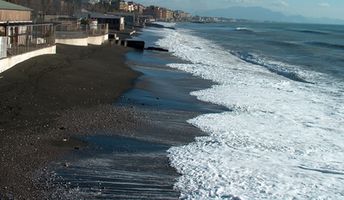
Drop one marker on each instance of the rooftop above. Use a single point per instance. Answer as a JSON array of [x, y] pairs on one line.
[[11, 6], [86, 14]]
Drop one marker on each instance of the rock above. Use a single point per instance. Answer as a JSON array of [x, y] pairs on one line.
[[136, 44], [159, 26], [156, 49]]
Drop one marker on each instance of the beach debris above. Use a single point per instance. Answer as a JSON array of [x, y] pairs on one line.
[[64, 140]]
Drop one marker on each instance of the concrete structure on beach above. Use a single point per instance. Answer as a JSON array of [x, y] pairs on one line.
[[20, 39]]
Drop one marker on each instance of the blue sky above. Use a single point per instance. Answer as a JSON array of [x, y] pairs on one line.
[[309, 8]]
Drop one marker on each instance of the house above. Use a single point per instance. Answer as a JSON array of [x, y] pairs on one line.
[[167, 15], [49, 7], [180, 15], [129, 18], [154, 11], [14, 13], [122, 6], [19, 36], [114, 22]]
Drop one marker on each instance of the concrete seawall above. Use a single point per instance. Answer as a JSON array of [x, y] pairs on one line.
[[9, 62], [84, 41], [72, 41], [98, 40]]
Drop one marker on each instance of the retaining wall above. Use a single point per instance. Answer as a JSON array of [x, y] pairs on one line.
[[7, 63], [85, 41]]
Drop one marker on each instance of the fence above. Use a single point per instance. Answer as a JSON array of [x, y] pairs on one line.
[[80, 31], [3, 47], [29, 37]]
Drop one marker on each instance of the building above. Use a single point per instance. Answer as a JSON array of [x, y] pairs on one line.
[[129, 18], [131, 6], [12, 12], [20, 39], [154, 11], [50, 7], [139, 8], [167, 15], [115, 22], [122, 6], [180, 15]]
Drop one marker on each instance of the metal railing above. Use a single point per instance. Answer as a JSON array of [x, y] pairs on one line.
[[80, 31], [3, 47], [23, 38]]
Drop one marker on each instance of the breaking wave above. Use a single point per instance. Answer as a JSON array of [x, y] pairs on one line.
[[283, 138]]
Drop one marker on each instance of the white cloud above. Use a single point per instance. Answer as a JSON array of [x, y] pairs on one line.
[[280, 3], [324, 4]]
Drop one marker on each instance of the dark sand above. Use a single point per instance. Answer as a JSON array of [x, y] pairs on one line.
[[126, 154], [36, 95], [64, 137]]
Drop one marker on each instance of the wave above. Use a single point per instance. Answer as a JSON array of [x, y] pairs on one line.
[[244, 29], [275, 126], [289, 44], [276, 67], [327, 45], [312, 32]]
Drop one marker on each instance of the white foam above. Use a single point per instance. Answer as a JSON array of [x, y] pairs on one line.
[[166, 24], [283, 140]]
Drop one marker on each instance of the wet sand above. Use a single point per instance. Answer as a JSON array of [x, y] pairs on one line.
[[126, 154], [69, 132], [36, 94]]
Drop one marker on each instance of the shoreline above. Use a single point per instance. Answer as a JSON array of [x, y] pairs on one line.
[[127, 143], [35, 93], [151, 111]]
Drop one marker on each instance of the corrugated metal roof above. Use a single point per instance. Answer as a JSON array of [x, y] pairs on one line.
[[4, 5]]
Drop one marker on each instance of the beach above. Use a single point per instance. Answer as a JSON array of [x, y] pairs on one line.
[[35, 94], [225, 114], [127, 159], [95, 122]]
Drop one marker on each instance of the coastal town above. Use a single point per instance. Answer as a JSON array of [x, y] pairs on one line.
[[35, 27], [42, 9]]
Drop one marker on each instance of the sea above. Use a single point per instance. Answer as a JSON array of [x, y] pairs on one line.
[[235, 111], [282, 136]]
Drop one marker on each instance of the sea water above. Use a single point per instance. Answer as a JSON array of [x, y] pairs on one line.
[[283, 137]]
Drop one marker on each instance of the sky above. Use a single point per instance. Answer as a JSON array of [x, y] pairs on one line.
[[308, 8]]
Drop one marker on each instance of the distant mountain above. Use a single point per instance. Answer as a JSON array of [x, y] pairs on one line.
[[263, 14]]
